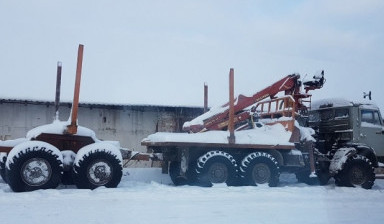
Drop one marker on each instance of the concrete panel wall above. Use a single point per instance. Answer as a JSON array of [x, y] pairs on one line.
[[128, 124]]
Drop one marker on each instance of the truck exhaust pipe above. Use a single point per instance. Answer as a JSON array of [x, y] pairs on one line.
[[58, 87], [205, 97], [72, 128]]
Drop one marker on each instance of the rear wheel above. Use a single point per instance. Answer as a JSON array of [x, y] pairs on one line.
[[97, 168], [216, 167], [260, 168], [357, 172], [34, 165]]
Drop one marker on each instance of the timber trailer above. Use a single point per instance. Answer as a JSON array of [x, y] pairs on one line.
[[61, 152], [236, 145]]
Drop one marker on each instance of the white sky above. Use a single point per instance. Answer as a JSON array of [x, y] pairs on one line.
[[162, 52]]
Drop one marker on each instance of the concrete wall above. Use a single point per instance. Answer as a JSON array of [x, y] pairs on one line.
[[128, 124]]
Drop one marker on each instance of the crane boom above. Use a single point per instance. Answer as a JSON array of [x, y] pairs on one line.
[[217, 118]]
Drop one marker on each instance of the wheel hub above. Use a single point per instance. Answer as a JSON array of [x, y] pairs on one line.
[[36, 172], [99, 173], [261, 173], [218, 173], [357, 176]]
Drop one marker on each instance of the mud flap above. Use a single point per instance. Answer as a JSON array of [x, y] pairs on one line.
[[339, 159]]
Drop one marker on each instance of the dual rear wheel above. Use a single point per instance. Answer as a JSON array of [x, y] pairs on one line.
[[216, 167], [38, 165]]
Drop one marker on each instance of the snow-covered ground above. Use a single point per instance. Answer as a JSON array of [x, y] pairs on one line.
[[147, 196]]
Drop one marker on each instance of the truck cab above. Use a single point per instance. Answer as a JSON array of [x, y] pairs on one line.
[[339, 122]]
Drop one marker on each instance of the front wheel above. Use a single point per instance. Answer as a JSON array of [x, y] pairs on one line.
[[357, 172]]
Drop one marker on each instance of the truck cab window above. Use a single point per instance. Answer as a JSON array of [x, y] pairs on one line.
[[376, 118], [370, 117], [341, 113]]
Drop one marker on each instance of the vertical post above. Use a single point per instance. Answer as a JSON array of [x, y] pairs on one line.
[[72, 128], [205, 97], [58, 86], [231, 125], [311, 158]]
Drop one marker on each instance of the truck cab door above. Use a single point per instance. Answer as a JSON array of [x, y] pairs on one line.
[[372, 130]]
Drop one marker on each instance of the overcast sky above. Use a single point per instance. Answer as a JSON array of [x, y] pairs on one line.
[[162, 52]]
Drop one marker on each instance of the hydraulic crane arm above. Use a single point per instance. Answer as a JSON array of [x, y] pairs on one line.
[[217, 119]]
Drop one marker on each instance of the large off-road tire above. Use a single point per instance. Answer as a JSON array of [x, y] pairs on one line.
[[174, 173], [3, 159], [358, 171], [178, 180], [37, 165], [216, 167], [97, 168], [260, 168]]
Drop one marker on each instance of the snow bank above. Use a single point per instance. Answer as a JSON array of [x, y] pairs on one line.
[[141, 198], [265, 135]]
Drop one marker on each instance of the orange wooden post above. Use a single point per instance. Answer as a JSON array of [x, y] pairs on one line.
[[231, 125], [72, 128]]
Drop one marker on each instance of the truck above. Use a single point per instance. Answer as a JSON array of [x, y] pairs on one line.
[[336, 139], [248, 141], [61, 152]]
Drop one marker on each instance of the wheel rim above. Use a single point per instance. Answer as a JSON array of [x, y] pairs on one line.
[[99, 172], [261, 173], [36, 172], [218, 173], [357, 176]]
